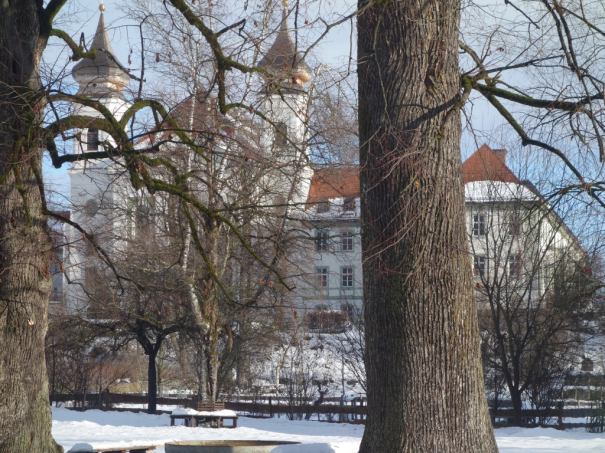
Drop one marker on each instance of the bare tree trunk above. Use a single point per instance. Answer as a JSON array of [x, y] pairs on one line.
[[203, 375], [25, 247], [213, 365], [152, 386], [515, 396], [424, 376]]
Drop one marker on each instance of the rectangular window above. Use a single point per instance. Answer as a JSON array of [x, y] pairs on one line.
[[322, 277], [92, 140], [321, 241], [349, 204], [346, 244], [323, 206], [514, 265], [347, 277], [514, 225], [281, 135], [479, 268], [479, 225]]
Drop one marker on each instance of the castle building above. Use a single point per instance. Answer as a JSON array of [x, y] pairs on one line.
[[104, 203], [518, 246], [508, 225]]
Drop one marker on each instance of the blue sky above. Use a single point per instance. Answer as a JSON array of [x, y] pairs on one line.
[[81, 16]]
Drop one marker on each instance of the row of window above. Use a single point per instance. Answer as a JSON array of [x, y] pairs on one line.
[[480, 225], [345, 243], [513, 265], [346, 277], [347, 205]]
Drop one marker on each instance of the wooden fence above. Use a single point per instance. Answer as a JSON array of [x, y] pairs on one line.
[[351, 411]]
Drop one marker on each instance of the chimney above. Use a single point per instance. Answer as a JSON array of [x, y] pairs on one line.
[[501, 154]]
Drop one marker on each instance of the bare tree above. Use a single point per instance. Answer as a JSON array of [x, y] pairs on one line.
[[535, 287], [147, 312], [25, 244]]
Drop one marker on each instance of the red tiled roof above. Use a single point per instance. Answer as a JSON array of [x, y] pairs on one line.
[[203, 116], [334, 182], [485, 164]]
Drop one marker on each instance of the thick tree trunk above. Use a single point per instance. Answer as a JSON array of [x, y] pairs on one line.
[[424, 376], [25, 247], [515, 397], [152, 385], [213, 376], [203, 375], [210, 365]]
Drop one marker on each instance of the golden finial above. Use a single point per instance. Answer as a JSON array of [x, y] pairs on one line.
[[284, 3], [101, 7]]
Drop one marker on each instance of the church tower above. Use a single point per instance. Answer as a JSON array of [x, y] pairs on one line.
[[92, 190], [285, 103], [102, 79]]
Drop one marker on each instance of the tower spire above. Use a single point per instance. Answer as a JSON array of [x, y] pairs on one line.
[[104, 76], [282, 60]]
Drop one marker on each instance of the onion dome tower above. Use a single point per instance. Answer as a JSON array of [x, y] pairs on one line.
[[104, 76], [283, 61], [102, 79], [94, 185], [285, 104]]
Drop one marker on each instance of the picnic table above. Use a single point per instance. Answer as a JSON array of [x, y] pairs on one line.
[[208, 414]]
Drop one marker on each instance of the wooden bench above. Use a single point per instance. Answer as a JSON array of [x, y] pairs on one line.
[[207, 407], [198, 420]]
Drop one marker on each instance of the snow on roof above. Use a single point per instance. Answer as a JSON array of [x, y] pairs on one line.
[[333, 183], [497, 191], [334, 209]]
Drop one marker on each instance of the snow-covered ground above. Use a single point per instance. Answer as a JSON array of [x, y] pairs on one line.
[[70, 428]]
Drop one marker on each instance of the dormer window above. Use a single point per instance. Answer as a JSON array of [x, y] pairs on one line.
[[349, 204], [92, 140], [323, 206]]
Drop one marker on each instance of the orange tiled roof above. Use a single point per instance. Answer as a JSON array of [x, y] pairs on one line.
[[485, 165], [204, 118], [334, 182]]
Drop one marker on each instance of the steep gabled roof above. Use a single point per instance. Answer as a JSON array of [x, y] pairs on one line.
[[485, 164], [334, 182]]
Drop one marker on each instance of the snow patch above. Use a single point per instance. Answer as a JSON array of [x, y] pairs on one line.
[[188, 411]]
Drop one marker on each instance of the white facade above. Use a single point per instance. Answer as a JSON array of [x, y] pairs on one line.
[[102, 199], [515, 241], [334, 279]]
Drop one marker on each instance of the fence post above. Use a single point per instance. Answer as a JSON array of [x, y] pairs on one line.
[[270, 408], [560, 411]]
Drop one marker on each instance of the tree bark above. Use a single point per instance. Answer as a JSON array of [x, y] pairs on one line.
[[25, 246], [424, 375], [152, 385], [517, 407]]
